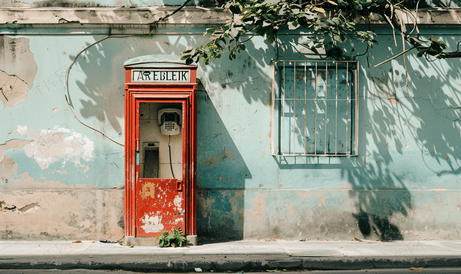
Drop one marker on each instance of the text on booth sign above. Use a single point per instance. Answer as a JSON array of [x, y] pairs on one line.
[[159, 75]]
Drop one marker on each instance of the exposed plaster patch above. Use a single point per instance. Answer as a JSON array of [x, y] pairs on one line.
[[49, 145], [439, 188], [259, 203], [28, 182], [321, 200], [53, 171], [15, 144], [151, 223], [13, 90], [215, 160], [305, 195], [8, 208], [205, 204], [14, 53], [235, 202], [8, 167], [290, 208], [62, 213]]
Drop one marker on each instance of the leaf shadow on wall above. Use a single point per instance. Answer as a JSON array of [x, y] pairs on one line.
[[394, 121], [101, 93], [221, 170]]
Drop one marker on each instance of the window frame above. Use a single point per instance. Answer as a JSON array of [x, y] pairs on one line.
[[352, 68]]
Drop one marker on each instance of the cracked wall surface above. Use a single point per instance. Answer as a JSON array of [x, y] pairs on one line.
[[16, 78], [61, 214], [56, 180]]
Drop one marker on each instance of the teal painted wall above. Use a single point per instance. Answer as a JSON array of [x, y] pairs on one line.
[[60, 179]]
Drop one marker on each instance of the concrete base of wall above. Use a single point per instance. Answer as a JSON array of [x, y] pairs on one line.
[[192, 239], [61, 214], [141, 241], [152, 241]]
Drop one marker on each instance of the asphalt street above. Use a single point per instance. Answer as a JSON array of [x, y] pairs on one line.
[[369, 271]]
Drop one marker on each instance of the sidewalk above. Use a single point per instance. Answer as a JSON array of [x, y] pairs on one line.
[[233, 256]]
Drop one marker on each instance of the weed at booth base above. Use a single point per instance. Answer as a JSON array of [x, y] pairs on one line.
[[174, 238]]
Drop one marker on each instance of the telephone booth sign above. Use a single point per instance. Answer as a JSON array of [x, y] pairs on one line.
[[160, 148]]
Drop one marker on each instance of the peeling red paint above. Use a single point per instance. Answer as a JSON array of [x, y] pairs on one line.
[[159, 206], [148, 190]]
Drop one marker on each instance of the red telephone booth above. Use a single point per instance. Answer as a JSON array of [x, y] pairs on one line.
[[160, 148]]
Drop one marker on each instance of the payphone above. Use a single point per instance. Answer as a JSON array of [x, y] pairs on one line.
[[169, 120], [160, 148]]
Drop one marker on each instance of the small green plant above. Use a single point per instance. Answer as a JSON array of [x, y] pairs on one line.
[[174, 238]]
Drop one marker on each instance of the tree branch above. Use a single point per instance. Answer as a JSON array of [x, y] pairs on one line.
[[396, 21], [392, 58], [154, 25]]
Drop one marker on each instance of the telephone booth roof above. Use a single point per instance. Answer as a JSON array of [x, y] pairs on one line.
[[156, 61]]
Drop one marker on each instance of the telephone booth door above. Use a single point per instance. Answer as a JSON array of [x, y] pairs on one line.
[[160, 166], [160, 149]]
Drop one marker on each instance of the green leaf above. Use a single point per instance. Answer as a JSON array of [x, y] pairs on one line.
[[293, 25], [189, 61]]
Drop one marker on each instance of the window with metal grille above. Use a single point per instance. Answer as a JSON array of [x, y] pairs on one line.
[[315, 108]]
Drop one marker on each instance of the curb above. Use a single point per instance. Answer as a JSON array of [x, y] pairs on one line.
[[221, 263]]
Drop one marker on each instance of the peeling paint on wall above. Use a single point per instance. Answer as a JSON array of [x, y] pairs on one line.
[[13, 90], [259, 206], [29, 208], [8, 167], [14, 143], [290, 208], [61, 214], [215, 160], [235, 203], [204, 206], [49, 145], [14, 53], [365, 196], [321, 200]]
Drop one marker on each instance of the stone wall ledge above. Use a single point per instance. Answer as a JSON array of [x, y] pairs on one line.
[[188, 16]]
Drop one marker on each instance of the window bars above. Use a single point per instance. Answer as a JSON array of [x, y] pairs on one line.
[[315, 108]]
